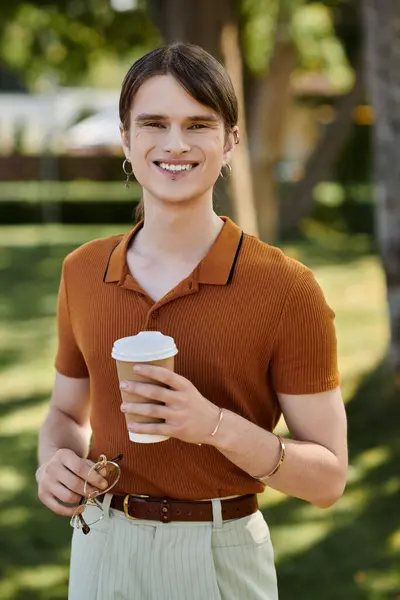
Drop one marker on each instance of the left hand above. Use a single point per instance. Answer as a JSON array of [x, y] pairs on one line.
[[188, 416]]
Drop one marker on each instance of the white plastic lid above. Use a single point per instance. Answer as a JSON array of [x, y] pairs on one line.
[[146, 346]]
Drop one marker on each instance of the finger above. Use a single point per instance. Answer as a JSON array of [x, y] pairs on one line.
[[69, 459], [111, 475], [64, 494], [72, 481], [165, 376], [96, 481], [70, 504], [59, 474], [154, 411], [150, 428], [77, 485], [150, 391], [51, 502], [83, 468]]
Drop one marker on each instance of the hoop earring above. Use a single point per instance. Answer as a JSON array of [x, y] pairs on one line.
[[222, 176], [127, 173]]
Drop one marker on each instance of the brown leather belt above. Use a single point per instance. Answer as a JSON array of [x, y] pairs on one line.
[[168, 509]]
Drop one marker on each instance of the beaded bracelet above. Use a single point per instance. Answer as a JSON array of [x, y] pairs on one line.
[[281, 459]]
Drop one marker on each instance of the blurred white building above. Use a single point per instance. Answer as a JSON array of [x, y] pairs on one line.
[[49, 121]]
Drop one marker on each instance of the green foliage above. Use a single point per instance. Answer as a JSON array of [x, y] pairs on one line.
[[309, 25], [62, 40], [319, 47], [73, 42], [348, 209], [258, 18]]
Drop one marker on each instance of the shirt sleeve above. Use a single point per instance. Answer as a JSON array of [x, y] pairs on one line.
[[69, 359], [304, 358]]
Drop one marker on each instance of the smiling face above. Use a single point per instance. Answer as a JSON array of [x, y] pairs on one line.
[[176, 145]]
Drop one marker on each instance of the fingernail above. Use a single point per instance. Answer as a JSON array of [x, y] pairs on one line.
[[137, 368], [123, 385]]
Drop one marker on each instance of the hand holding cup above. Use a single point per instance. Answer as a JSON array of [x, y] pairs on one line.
[[149, 347]]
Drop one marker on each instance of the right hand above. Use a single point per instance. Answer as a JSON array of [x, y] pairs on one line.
[[63, 477]]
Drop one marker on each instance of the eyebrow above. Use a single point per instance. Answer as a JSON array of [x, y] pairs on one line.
[[209, 117]]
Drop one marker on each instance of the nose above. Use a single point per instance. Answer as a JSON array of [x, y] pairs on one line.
[[175, 142]]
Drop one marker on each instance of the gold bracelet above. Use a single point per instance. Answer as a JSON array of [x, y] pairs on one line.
[[221, 416], [281, 459]]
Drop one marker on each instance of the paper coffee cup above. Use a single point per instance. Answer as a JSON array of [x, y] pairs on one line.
[[151, 347]]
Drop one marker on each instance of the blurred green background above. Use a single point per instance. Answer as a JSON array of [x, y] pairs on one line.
[[349, 551], [314, 147]]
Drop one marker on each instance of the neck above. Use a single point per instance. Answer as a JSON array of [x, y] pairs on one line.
[[185, 231]]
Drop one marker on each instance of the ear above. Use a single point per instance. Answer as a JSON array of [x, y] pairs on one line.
[[126, 146], [230, 143]]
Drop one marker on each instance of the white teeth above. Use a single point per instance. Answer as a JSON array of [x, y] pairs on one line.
[[169, 167]]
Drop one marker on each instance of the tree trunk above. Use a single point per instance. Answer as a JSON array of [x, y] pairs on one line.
[[190, 21], [269, 110], [242, 184], [213, 26], [298, 202], [382, 54]]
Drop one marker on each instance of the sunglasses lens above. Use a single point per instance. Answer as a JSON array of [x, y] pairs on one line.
[[111, 474], [92, 513]]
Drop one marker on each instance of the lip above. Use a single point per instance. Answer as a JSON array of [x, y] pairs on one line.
[[176, 161]]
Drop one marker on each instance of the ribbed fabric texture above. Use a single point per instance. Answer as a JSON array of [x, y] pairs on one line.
[[248, 322]]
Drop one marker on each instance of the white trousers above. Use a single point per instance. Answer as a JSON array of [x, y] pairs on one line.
[[122, 559]]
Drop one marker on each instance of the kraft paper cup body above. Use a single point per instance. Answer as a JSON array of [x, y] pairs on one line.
[[150, 347]]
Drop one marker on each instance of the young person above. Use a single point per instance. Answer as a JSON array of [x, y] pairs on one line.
[[256, 339]]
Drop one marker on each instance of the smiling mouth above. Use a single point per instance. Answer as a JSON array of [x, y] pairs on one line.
[[175, 168]]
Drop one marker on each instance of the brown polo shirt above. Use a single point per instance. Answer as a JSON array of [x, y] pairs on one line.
[[248, 322]]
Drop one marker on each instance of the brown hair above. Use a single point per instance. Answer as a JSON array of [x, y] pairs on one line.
[[202, 76]]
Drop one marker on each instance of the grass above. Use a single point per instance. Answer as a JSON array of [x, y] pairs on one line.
[[71, 191], [349, 552]]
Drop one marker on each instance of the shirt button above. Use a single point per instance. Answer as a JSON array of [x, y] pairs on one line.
[[154, 314]]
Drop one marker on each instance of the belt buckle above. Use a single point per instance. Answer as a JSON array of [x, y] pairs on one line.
[[126, 505]]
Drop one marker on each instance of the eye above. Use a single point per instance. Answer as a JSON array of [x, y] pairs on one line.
[[198, 126], [154, 124]]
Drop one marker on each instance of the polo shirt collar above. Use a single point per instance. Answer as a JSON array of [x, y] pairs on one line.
[[216, 268], [117, 268], [218, 265]]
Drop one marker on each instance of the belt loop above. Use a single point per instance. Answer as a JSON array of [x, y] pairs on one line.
[[217, 514], [106, 505]]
